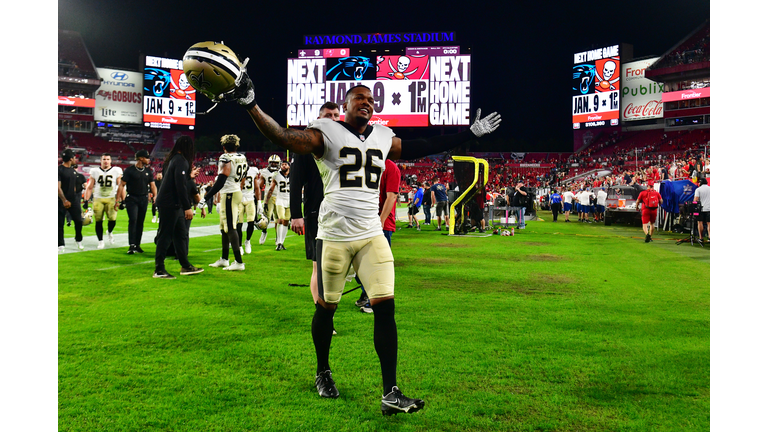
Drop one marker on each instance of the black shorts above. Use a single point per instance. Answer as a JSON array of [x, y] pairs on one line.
[[703, 217], [441, 208], [310, 237], [413, 211]]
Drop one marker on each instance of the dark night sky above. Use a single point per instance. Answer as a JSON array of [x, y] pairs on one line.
[[522, 55]]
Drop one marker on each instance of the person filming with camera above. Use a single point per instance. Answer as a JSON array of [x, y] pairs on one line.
[[702, 196]]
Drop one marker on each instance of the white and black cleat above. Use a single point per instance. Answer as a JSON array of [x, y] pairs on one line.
[[396, 402]]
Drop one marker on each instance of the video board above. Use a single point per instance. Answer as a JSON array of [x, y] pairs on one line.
[[596, 87], [423, 87], [169, 100]]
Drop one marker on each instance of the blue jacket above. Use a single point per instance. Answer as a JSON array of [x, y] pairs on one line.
[[418, 198]]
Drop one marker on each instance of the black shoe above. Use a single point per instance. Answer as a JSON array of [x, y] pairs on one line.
[[647, 238], [131, 250], [280, 247], [139, 249], [162, 274], [190, 270], [362, 301], [396, 402], [326, 387]]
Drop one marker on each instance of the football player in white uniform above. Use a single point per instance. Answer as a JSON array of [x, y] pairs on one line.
[[249, 207], [350, 157], [232, 168], [265, 182], [103, 185], [281, 189]]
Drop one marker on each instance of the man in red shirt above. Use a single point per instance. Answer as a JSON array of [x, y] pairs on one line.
[[388, 190], [389, 186], [651, 200]]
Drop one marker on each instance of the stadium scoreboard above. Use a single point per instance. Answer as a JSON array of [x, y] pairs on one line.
[[427, 86], [596, 87], [169, 100]]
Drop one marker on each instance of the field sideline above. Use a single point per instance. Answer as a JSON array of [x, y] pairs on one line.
[[563, 327]]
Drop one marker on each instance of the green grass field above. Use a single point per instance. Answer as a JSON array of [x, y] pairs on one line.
[[562, 327]]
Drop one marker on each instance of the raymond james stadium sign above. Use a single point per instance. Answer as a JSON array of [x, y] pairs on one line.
[[379, 38]]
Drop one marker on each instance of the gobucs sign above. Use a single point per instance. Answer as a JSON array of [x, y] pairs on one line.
[[596, 87], [408, 90]]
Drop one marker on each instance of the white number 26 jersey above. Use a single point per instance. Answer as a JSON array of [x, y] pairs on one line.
[[351, 169]]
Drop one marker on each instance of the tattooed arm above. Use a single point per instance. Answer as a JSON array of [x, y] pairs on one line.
[[299, 141]]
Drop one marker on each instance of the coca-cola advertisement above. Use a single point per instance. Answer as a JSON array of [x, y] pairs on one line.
[[640, 97]]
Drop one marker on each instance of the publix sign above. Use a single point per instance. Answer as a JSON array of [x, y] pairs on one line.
[[640, 97]]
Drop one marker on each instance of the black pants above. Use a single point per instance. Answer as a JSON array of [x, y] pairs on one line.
[[555, 211], [172, 228], [74, 212], [136, 206]]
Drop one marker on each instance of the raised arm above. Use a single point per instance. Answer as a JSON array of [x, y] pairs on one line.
[[299, 141], [414, 149]]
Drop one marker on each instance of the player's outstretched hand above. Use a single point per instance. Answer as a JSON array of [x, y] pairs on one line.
[[243, 93], [485, 125]]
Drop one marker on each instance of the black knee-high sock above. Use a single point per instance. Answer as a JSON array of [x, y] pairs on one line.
[[111, 225], [322, 333], [240, 232], [225, 245], [385, 341], [100, 230], [234, 240], [249, 231]]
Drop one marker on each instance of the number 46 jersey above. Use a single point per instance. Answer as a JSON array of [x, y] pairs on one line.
[[351, 169], [239, 165], [105, 182]]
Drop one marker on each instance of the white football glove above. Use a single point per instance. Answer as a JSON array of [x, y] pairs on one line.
[[243, 94], [486, 125]]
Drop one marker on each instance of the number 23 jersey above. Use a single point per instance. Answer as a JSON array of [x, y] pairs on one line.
[[351, 168]]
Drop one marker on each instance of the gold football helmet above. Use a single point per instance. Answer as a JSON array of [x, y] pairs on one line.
[[87, 217], [212, 68]]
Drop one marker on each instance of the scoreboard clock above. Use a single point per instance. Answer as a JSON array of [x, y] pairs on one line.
[[411, 90], [596, 87], [169, 99]]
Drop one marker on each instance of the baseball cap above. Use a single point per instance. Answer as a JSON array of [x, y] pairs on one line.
[[67, 155], [651, 182], [142, 153]]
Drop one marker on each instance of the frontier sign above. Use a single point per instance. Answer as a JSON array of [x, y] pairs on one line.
[[685, 94]]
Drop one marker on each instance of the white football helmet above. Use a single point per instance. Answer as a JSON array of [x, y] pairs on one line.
[[212, 68], [274, 163], [262, 223], [87, 217]]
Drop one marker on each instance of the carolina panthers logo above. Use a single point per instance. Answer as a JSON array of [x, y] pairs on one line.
[[159, 79], [354, 67], [198, 81], [584, 78]]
